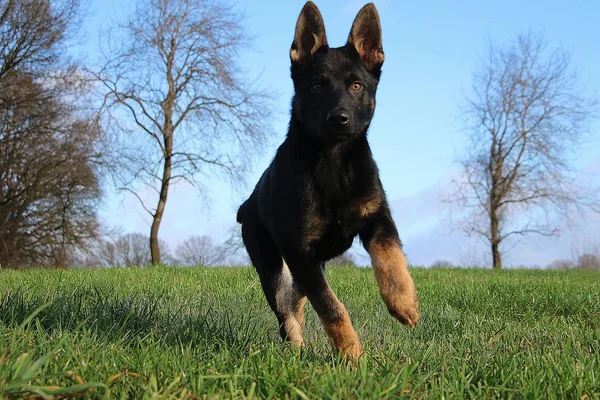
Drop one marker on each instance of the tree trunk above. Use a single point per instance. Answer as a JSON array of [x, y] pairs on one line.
[[495, 240], [496, 256], [162, 200], [167, 131]]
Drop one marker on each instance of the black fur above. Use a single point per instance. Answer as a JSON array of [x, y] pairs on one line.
[[322, 189]]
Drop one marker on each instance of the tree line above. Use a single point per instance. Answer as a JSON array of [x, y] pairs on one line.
[[168, 101], [589, 259], [132, 250], [49, 187]]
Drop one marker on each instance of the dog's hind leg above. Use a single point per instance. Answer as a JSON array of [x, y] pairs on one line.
[[396, 286], [290, 302], [282, 293], [331, 311]]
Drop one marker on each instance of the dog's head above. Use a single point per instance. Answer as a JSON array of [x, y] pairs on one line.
[[335, 87]]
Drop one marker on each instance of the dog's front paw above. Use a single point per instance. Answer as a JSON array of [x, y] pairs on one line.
[[405, 309], [400, 297]]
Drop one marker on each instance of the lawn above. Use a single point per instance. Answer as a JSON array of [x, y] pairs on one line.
[[208, 333]]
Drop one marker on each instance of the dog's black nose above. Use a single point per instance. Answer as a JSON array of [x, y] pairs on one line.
[[338, 116]]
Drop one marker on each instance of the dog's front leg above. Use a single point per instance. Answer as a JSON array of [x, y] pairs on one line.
[[396, 286]]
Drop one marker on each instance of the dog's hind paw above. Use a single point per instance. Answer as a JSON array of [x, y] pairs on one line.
[[352, 353]]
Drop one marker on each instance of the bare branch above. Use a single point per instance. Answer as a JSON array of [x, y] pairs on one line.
[[139, 199]]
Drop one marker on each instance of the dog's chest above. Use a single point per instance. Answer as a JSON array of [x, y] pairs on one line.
[[336, 209], [328, 232]]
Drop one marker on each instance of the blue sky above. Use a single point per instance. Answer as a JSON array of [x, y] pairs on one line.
[[431, 50]]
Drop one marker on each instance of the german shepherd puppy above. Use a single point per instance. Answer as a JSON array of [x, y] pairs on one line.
[[323, 188]]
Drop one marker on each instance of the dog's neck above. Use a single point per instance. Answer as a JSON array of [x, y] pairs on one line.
[[335, 170]]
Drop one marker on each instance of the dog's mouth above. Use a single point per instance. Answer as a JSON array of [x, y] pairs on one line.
[[340, 136], [340, 133]]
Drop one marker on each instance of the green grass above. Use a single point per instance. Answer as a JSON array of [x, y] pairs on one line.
[[208, 333]]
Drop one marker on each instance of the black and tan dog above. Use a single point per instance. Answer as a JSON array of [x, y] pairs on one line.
[[323, 188]]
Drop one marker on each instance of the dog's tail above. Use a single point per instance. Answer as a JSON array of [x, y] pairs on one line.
[[240, 214]]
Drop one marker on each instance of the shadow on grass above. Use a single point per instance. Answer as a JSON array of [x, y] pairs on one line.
[[129, 319]]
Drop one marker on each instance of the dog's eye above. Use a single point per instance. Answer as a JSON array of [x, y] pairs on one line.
[[356, 86], [318, 86]]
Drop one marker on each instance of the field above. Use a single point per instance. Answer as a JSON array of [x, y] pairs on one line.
[[208, 333]]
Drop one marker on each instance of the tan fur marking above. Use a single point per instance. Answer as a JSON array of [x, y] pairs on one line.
[[369, 207], [295, 55], [291, 304], [299, 312], [317, 45], [313, 231], [369, 56], [293, 331], [294, 323], [365, 36], [395, 283], [339, 328]]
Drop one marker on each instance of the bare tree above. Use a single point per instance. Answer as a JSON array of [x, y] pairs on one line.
[[176, 101], [343, 260], [561, 264], [585, 254], [442, 264], [234, 251], [49, 188], [200, 250], [127, 250], [589, 261], [34, 33], [526, 118]]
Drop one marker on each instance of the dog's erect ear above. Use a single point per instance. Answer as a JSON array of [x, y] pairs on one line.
[[310, 34], [365, 36]]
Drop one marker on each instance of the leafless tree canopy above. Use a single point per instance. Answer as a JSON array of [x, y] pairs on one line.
[[343, 260], [33, 33], [561, 264], [127, 250], [589, 261], [442, 264], [200, 250], [584, 261], [234, 249], [175, 100], [48, 184], [526, 118], [130, 250]]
